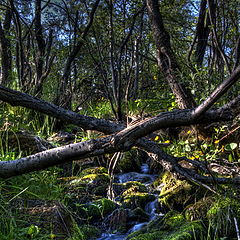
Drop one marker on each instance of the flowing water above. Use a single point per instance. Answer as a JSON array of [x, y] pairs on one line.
[[151, 208]]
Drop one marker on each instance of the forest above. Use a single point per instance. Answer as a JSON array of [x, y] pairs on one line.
[[120, 120]]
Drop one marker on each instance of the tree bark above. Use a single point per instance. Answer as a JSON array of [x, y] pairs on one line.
[[202, 32], [5, 46], [166, 59], [41, 46]]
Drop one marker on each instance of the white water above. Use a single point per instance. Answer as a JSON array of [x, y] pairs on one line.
[[137, 227], [150, 208], [144, 168]]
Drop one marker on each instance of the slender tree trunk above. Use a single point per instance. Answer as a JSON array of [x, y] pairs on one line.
[[5, 46], [165, 56], [202, 33], [41, 45]]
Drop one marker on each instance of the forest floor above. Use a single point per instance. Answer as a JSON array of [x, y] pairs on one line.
[[138, 201]]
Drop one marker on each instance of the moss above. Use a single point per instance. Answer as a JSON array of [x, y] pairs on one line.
[[135, 183], [130, 162], [119, 188], [85, 232], [188, 231], [173, 219], [95, 177], [173, 227], [177, 194], [94, 170], [97, 209], [221, 216], [134, 189], [90, 185], [137, 199]]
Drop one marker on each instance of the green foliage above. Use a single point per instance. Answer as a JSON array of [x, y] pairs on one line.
[[96, 210], [100, 109], [221, 217], [42, 185], [16, 118]]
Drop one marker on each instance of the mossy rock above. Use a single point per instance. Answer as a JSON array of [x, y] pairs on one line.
[[89, 185], [86, 232], [221, 216], [172, 227], [177, 194], [138, 215], [93, 170], [137, 199], [96, 210], [198, 210], [131, 161], [131, 186]]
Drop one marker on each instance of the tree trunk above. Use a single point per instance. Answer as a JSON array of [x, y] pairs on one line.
[[202, 33], [5, 46], [166, 59]]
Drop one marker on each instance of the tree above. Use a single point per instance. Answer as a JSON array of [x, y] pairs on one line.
[[166, 59], [117, 63], [125, 138]]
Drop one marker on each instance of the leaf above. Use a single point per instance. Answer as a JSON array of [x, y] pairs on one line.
[[188, 148], [231, 146]]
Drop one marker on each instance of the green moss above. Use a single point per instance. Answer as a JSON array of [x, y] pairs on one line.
[[96, 176], [188, 231], [94, 170], [177, 194], [173, 227], [92, 184], [130, 161], [85, 232], [173, 219], [134, 189], [97, 209], [221, 216], [137, 199], [134, 183]]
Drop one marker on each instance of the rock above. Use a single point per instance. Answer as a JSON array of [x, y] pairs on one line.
[[24, 141], [136, 199], [173, 226], [131, 161], [96, 210], [91, 182], [119, 188], [51, 217], [87, 232], [177, 194], [138, 215], [118, 220]]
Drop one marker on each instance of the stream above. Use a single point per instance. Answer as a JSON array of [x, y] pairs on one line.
[[151, 208]]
